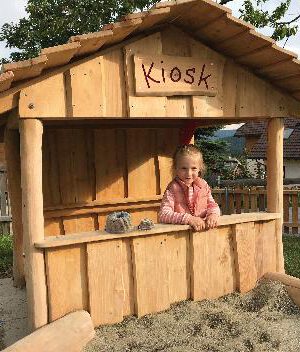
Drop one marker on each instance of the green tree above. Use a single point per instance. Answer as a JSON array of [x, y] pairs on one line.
[[53, 22], [254, 12], [215, 152]]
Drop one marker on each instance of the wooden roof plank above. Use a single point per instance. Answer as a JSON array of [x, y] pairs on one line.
[[197, 14], [26, 69], [91, 42], [265, 56], [6, 80], [222, 28], [154, 17], [243, 44], [296, 94], [281, 69], [121, 30], [291, 83], [61, 54]]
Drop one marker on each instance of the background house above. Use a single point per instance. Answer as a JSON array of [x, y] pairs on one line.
[[255, 134]]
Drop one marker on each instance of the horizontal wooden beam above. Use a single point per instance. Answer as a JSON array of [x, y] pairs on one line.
[[9, 102], [70, 333], [99, 207], [94, 236]]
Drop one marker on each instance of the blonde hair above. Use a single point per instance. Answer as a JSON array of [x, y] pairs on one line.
[[190, 150]]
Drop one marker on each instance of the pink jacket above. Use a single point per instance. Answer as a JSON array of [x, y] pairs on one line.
[[175, 209]]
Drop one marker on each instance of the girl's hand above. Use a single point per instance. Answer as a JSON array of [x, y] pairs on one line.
[[212, 221], [197, 223]]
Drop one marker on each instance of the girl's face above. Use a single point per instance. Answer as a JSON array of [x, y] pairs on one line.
[[187, 168]]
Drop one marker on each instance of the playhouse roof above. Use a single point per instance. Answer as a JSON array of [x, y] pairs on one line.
[[291, 141], [205, 20]]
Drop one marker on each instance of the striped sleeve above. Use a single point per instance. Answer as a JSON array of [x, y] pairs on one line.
[[212, 205], [167, 215]]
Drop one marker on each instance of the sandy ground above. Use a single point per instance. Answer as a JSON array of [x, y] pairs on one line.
[[13, 314], [265, 319]]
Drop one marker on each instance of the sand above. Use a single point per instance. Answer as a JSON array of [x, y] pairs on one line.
[[264, 319], [13, 313]]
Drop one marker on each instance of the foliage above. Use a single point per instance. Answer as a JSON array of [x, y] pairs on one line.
[[291, 251], [6, 255], [218, 157], [253, 11], [53, 22], [215, 152]]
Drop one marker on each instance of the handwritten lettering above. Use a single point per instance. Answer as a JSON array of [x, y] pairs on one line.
[[147, 75], [176, 74], [201, 79], [189, 75]]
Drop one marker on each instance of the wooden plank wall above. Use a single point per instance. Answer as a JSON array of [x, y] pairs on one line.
[[90, 172], [104, 87], [141, 275]]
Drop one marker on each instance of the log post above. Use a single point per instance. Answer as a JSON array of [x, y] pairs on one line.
[[13, 162], [31, 131], [275, 180]]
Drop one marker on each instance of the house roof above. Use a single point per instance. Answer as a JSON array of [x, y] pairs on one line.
[[205, 20], [291, 144]]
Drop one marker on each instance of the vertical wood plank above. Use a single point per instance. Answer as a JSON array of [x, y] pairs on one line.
[[75, 177], [167, 141], [142, 173], [142, 106], [54, 227], [175, 42], [113, 84], [253, 201], [51, 185], [128, 305], [31, 131], [179, 266], [238, 200], [80, 223], [150, 271], [286, 211], [110, 164], [212, 263], [244, 243], [266, 249], [295, 213], [85, 86], [231, 202], [203, 106], [106, 288], [66, 280], [246, 198]]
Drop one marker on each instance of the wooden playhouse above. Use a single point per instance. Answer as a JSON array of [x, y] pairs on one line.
[[90, 128]]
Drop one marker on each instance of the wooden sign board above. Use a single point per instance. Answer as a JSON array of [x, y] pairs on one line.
[[173, 75]]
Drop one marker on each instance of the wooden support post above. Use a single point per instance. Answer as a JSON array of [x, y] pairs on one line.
[[31, 131], [275, 180], [12, 155]]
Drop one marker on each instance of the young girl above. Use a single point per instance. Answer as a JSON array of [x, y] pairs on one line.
[[188, 199]]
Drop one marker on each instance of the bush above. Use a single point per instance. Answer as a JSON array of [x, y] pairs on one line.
[[6, 255], [291, 251]]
